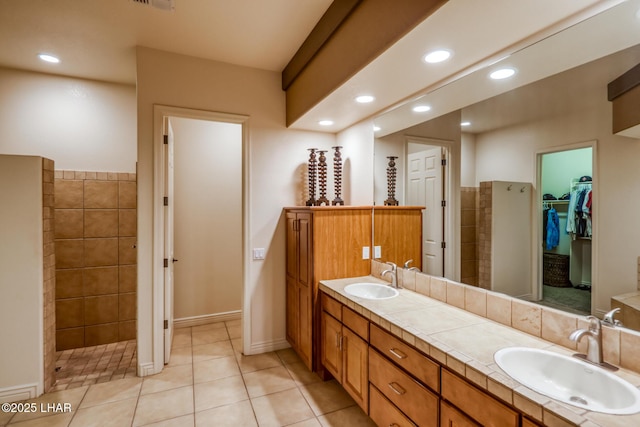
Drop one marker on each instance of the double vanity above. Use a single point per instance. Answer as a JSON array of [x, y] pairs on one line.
[[420, 357]]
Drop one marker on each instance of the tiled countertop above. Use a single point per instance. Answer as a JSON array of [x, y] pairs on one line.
[[466, 343]]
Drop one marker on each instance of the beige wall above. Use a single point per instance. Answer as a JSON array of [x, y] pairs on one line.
[[277, 157], [80, 124], [509, 154], [21, 281]]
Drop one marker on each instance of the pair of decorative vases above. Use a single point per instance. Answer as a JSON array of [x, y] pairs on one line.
[[317, 171]]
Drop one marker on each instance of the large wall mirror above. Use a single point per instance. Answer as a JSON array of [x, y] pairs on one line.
[[539, 132]]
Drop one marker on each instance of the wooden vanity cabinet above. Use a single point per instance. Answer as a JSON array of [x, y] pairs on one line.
[[322, 243], [344, 352], [451, 417]]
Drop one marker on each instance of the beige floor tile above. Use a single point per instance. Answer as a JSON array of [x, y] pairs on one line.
[[214, 369], [234, 331], [180, 356], [164, 405], [58, 420], [325, 397], [352, 417], [235, 415], [268, 381], [5, 417], [113, 414], [311, 422], [209, 335], [181, 338], [72, 396], [281, 409], [183, 421], [208, 326], [212, 351], [288, 356], [236, 322], [221, 392], [301, 374], [112, 391], [258, 361], [170, 377]]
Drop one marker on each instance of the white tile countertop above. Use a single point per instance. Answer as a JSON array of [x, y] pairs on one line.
[[466, 342]]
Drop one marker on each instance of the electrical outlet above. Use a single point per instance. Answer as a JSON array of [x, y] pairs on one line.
[[365, 252], [377, 252], [258, 253]]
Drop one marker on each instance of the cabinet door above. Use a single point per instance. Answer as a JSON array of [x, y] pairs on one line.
[[331, 335], [293, 330], [305, 249], [305, 324], [451, 417], [355, 376]]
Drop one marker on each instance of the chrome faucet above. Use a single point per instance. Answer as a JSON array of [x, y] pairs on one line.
[[608, 318], [594, 340], [394, 274], [408, 263]]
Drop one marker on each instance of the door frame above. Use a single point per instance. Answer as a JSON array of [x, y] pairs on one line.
[[159, 114], [451, 192], [537, 250]]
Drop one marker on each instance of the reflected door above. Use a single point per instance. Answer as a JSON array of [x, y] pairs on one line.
[[425, 188]]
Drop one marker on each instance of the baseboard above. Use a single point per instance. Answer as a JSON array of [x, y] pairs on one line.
[[187, 322], [16, 393], [146, 369], [267, 346]]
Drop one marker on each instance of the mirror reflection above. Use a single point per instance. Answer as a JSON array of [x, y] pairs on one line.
[[547, 133]]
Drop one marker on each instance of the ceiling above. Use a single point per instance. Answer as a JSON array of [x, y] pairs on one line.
[[96, 40]]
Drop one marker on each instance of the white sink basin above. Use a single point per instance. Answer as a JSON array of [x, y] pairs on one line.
[[371, 291], [569, 380]]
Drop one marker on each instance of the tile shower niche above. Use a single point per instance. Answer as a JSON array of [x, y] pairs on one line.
[[95, 240]]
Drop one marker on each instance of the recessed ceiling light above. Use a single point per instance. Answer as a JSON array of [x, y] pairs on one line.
[[48, 58], [325, 122], [502, 73], [437, 56], [421, 108], [364, 99], [376, 128], [465, 124]]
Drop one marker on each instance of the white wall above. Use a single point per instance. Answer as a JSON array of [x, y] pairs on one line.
[[80, 124], [207, 217], [277, 158], [21, 278]]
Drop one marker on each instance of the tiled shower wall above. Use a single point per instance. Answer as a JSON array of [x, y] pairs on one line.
[[95, 241], [484, 235], [469, 236], [49, 274]]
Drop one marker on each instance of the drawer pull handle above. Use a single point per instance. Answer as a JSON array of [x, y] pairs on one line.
[[397, 388], [397, 353]]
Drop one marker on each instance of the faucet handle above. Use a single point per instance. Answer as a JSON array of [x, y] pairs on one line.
[[407, 263], [594, 323], [393, 266], [609, 319]]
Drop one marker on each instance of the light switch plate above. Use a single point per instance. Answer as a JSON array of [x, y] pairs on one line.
[[377, 252], [258, 253], [365, 252]]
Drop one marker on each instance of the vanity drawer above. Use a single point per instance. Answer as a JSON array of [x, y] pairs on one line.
[[418, 403], [410, 359], [478, 405], [331, 306], [383, 412], [355, 322]]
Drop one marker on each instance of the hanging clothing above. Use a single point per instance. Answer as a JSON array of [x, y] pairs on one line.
[[579, 211], [553, 229]]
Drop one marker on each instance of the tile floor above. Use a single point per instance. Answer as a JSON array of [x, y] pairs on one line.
[[207, 383]]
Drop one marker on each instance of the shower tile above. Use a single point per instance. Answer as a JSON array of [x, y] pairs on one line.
[[69, 253], [100, 281], [127, 222], [69, 194], [69, 338], [101, 252], [100, 223], [69, 283], [69, 224], [101, 334], [69, 313], [102, 309], [100, 194], [127, 306], [127, 278], [127, 330], [127, 193], [127, 250]]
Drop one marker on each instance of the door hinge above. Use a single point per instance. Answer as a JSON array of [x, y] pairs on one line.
[[166, 324], [443, 203], [166, 263], [165, 201], [443, 162], [443, 245], [165, 139]]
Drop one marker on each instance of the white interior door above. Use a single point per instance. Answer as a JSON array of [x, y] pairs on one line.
[[168, 241], [425, 188]]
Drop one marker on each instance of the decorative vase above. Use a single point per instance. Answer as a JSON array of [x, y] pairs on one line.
[[337, 176], [322, 179], [391, 182], [312, 169]]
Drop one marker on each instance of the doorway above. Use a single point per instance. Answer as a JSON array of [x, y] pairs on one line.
[[200, 185], [566, 199]]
